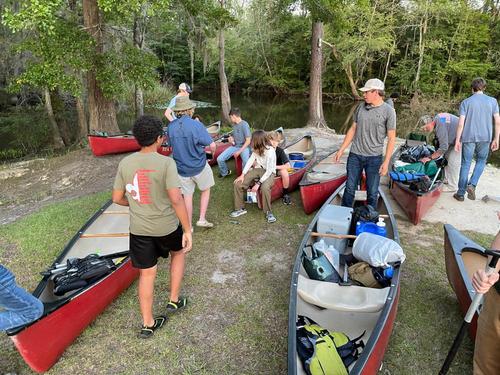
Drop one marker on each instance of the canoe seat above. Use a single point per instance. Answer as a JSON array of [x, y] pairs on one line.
[[341, 298]]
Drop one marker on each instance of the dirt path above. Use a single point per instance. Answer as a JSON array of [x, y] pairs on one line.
[[27, 186]]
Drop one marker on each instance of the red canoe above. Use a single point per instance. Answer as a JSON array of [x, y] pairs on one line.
[[42, 342], [320, 181], [463, 257], [116, 144], [350, 309], [414, 203], [304, 145]]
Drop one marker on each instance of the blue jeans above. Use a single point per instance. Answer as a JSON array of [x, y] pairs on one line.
[[17, 307], [470, 149], [355, 166], [228, 154]]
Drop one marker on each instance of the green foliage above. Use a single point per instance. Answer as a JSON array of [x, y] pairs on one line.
[[116, 69], [23, 133]]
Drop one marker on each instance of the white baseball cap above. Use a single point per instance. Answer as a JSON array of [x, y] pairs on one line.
[[184, 86], [373, 84]]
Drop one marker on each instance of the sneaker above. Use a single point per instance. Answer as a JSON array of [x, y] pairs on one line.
[[471, 192], [146, 332], [287, 199], [270, 217], [237, 213], [228, 173], [176, 306], [204, 224], [459, 198]]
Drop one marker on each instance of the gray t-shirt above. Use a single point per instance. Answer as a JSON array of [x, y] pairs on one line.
[[372, 124], [478, 110], [241, 131], [446, 130]]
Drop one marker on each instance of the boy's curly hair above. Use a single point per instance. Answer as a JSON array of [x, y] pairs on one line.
[[147, 129]]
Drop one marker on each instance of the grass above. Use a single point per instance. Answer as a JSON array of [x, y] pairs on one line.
[[237, 278]]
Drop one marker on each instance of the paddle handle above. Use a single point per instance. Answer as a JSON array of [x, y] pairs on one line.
[[332, 235]]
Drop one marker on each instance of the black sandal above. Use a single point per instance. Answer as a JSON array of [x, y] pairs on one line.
[[147, 332]]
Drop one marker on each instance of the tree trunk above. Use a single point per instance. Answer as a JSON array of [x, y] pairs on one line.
[[225, 98], [56, 136], [316, 117], [82, 118], [191, 61], [102, 111], [421, 46], [138, 36]]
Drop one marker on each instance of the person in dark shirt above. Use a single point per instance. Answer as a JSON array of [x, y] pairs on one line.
[[282, 165]]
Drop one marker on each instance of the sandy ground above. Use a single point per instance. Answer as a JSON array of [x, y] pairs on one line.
[[27, 186]]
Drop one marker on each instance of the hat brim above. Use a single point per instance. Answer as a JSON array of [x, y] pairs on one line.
[[365, 89], [183, 108]]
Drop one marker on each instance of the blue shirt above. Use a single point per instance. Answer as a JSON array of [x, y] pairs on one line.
[[478, 110], [188, 139], [171, 105], [241, 131]]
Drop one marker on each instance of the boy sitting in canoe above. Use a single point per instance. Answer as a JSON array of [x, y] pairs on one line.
[[148, 183], [282, 164], [258, 173]]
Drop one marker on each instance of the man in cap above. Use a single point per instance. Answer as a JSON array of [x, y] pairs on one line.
[[445, 125], [373, 121], [475, 136], [188, 139], [184, 90]]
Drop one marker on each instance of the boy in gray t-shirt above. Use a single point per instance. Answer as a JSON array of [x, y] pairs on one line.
[[240, 142], [373, 121]]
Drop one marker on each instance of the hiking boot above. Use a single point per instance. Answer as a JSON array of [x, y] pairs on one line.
[[176, 306], [287, 199], [204, 224], [459, 198], [228, 173], [270, 217], [146, 332], [471, 192], [237, 213]]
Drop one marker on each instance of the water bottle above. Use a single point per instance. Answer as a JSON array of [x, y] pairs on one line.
[[381, 230], [333, 256], [320, 246], [383, 275]]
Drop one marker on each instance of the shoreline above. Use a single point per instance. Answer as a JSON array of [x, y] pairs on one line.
[[29, 185]]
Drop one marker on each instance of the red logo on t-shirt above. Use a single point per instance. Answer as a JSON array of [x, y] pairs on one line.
[[139, 188]]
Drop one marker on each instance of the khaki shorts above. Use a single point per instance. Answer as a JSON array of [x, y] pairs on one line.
[[204, 180]]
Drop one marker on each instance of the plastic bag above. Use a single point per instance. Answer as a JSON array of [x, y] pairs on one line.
[[376, 250]]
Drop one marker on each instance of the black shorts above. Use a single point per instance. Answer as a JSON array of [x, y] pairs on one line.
[[145, 250]]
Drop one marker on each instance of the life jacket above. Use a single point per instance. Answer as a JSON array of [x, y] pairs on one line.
[[324, 352]]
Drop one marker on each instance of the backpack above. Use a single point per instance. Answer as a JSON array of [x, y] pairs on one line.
[[80, 272], [324, 352]]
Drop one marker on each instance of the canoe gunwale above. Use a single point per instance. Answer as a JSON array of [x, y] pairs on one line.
[[384, 316], [455, 244], [50, 307]]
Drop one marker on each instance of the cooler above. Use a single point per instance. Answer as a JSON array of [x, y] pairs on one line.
[[336, 220]]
